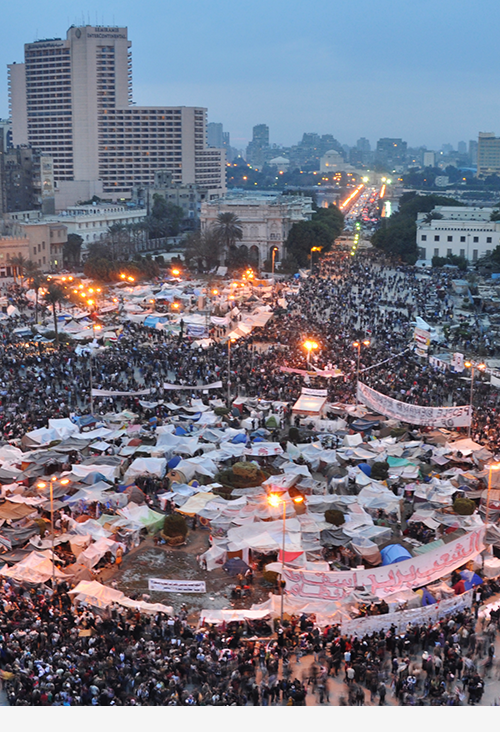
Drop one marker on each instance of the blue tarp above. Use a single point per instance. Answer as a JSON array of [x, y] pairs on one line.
[[239, 440], [367, 470], [427, 598], [470, 578], [394, 553], [174, 462]]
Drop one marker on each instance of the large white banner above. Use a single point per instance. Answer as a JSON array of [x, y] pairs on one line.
[[418, 616], [449, 417], [383, 581], [162, 585], [109, 393], [177, 387]]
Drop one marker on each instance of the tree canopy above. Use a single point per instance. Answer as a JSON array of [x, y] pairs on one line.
[[325, 226], [398, 234]]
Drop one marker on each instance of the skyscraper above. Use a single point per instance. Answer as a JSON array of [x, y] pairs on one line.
[[257, 148], [72, 99]]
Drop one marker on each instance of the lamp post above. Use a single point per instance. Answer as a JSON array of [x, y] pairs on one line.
[[230, 340], [42, 485], [273, 255], [472, 365], [357, 344], [310, 346], [313, 249], [274, 500]]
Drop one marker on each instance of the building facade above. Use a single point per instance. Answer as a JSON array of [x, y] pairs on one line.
[[72, 99], [265, 220], [463, 232], [488, 154]]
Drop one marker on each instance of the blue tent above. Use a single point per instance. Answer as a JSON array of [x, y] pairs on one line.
[[235, 566], [174, 462], [239, 440], [394, 553], [367, 470], [427, 598], [471, 579], [180, 431]]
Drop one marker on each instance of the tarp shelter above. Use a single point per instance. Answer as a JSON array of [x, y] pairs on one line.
[[307, 405], [196, 503], [235, 566], [35, 568], [93, 593]]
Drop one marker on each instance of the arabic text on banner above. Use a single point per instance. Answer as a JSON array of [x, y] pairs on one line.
[[177, 387], [449, 417], [162, 585], [314, 392], [382, 581], [108, 393]]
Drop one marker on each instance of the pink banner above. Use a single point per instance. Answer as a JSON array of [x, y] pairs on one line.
[[382, 581]]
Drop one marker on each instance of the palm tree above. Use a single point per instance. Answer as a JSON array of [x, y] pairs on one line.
[[54, 295], [228, 229], [18, 264], [35, 279]]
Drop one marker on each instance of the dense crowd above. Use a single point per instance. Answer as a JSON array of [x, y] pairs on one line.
[[55, 654]]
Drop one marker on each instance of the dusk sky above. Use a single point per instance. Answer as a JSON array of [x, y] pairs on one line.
[[425, 71]]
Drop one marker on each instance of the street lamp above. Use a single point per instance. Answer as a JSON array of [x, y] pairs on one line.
[[273, 255], [472, 365], [491, 468], [42, 485], [310, 346], [357, 344], [231, 340], [274, 500], [313, 249]]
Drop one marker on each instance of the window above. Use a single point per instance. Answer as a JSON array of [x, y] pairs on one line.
[[450, 238], [424, 237], [462, 253], [448, 252], [474, 255], [436, 252], [475, 240], [488, 252], [488, 240], [436, 238], [462, 239]]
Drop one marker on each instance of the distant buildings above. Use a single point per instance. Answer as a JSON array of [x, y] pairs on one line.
[[391, 152], [462, 231], [72, 100], [258, 148], [488, 154], [265, 220]]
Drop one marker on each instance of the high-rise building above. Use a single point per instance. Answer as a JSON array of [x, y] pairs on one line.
[[391, 151], [259, 146], [72, 99], [488, 154]]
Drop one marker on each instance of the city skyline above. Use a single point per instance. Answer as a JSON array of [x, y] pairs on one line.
[[425, 74]]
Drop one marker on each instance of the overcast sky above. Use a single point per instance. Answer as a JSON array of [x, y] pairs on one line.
[[424, 70]]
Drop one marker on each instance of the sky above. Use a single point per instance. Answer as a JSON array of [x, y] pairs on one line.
[[423, 70]]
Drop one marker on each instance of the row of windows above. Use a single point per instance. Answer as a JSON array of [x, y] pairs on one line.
[[449, 252], [463, 239]]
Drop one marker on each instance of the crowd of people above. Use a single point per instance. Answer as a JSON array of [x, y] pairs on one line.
[[53, 653]]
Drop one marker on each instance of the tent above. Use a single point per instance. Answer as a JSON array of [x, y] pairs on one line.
[[235, 566], [394, 553]]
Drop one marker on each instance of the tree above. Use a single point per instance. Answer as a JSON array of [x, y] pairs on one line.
[[324, 227], [205, 248], [72, 250], [18, 264], [228, 230], [54, 295], [35, 280]]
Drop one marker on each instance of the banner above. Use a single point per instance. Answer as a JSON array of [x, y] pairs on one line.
[[325, 373], [438, 363], [161, 585], [401, 618], [495, 381], [178, 387], [107, 393], [382, 581], [449, 417], [314, 392]]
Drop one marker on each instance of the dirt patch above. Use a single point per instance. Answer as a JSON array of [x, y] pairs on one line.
[[180, 563]]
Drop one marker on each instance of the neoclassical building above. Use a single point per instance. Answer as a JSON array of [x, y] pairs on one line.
[[265, 220]]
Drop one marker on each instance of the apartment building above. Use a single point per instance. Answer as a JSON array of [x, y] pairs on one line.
[[72, 99]]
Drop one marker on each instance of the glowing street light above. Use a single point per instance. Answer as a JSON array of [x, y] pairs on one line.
[[274, 500], [472, 365], [310, 346]]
